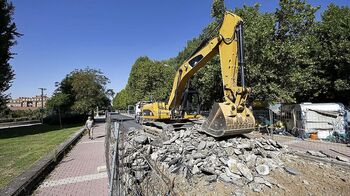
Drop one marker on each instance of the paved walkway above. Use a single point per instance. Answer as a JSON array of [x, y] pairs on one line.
[[330, 148], [77, 173]]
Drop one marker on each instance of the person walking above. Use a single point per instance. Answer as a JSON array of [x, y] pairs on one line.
[[89, 126]]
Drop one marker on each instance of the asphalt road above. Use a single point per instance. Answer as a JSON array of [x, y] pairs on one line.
[[126, 122]]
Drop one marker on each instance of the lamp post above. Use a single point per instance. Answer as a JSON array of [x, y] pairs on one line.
[[58, 85], [42, 104]]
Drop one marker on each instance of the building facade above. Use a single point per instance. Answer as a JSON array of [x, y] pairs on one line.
[[27, 103]]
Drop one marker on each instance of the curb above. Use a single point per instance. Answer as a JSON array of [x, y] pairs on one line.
[[27, 181]]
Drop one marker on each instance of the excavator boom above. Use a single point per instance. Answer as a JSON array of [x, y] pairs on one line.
[[232, 116]]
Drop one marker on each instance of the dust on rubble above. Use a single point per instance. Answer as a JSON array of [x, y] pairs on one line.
[[189, 162]]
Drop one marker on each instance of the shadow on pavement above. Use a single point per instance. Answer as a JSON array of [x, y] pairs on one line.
[[101, 136], [32, 130]]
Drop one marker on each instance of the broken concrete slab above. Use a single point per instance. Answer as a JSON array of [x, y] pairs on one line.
[[141, 139], [291, 170], [263, 169], [341, 158], [317, 154], [245, 171]]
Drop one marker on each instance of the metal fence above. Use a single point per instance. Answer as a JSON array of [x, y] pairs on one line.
[[131, 171], [283, 123], [326, 140]]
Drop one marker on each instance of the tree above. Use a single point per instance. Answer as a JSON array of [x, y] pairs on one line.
[[293, 46], [8, 33], [85, 90], [289, 57], [258, 36], [333, 35], [121, 101], [147, 79], [218, 9], [58, 103]]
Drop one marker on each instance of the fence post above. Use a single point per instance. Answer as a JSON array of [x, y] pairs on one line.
[[114, 174]]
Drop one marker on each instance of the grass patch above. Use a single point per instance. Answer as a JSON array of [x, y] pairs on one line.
[[21, 147]]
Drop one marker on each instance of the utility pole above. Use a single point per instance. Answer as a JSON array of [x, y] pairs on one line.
[[42, 104]]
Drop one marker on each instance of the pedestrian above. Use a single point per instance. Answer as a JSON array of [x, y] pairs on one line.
[[89, 126]]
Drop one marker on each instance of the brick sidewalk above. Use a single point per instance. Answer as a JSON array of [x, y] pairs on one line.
[[77, 173]]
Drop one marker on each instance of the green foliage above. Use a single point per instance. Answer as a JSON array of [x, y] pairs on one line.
[[289, 57], [8, 33], [294, 45], [333, 57], [81, 91], [19, 115], [148, 79], [121, 100], [218, 9], [58, 102], [258, 36]]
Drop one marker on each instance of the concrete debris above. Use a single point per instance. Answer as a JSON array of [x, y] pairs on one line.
[[245, 171], [306, 182], [261, 180], [243, 146], [232, 175], [232, 165], [195, 170], [317, 154], [177, 135], [225, 178], [263, 169], [237, 151], [291, 171], [255, 187], [141, 139], [211, 178], [340, 158], [202, 145], [238, 193], [154, 156], [197, 156]]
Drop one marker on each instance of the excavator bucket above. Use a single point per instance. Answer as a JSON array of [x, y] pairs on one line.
[[221, 121]]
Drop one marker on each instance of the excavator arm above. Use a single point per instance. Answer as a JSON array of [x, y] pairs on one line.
[[231, 117]]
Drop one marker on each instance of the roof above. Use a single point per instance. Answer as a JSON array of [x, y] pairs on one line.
[[323, 106]]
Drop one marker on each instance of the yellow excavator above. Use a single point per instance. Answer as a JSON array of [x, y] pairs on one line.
[[231, 117]]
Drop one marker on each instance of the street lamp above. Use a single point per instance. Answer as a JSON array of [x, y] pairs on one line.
[[42, 104], [58, 89]]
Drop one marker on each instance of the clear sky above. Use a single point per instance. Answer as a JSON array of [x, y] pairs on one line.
[[63, 35]]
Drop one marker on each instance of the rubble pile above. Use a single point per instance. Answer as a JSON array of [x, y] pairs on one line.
[[197, 156]]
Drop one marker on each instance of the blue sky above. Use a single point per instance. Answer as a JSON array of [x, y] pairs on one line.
[[60, 36]]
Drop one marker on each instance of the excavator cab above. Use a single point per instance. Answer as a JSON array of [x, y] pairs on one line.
[[189, 107]]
